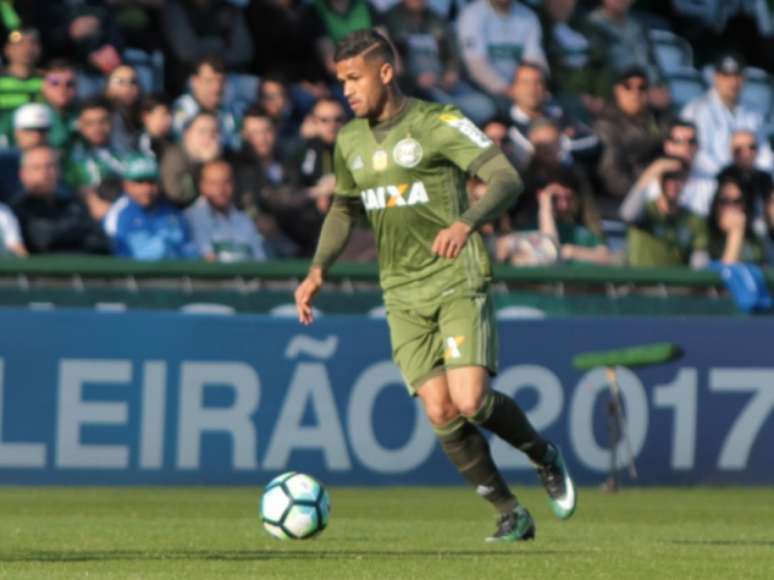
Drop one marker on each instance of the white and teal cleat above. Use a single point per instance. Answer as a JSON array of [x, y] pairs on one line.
[[559, 485]]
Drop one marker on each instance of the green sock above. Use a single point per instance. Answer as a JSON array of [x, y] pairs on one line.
[[503, 417], [468, 450]]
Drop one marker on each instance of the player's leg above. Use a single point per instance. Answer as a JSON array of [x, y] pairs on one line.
[[470, 331], [469, 451]]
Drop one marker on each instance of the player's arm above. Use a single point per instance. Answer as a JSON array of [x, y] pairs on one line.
[[503, 187], [333, 237]]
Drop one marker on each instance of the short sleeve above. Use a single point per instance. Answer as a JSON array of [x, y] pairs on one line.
[[459, 139], [700, 234], [9, 228], [345, 183]]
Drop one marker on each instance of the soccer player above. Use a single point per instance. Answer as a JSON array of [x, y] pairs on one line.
[[404, 162]]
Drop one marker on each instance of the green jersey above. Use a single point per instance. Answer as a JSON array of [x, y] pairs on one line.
[[410, 174], [657, 240]]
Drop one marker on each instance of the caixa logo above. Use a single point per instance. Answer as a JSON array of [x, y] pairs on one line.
[[388, 196]]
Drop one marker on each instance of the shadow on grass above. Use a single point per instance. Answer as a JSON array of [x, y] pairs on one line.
[[734, 543], [257, 555]]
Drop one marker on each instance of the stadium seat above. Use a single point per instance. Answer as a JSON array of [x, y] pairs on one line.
[[685, 84], [705, 10], [758, 91], [672, 52], [149, 67], [241, 91]]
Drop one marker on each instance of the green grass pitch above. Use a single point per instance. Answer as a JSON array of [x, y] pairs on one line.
[[419, 533]]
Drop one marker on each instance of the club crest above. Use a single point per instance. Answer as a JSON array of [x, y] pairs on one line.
[[407, 153]]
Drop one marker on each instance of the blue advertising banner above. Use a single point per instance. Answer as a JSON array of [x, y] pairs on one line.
[[164, 397]]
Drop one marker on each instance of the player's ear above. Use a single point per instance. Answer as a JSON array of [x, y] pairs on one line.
[[387, 73]]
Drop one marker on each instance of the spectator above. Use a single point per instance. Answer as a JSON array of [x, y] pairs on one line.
[[753, 181], [50, 222], [631, 135], [141, 224], [530, 95], [764, 226], [495, 36], [207, 84], [431, 61], [31, 126], [222, 232], [181, 163], [662, 232], [731, 236], [123, 93], [10, 236], [682, 144], [156, 134], [273, 98], [563, 218], [718, 113], [59, 93], [91, 162], [195, 29], [262, 182], [618, 35], [20, 81], [580, 75]]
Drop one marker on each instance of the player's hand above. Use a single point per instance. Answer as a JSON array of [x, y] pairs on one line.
[[306, 292], [450, 241]]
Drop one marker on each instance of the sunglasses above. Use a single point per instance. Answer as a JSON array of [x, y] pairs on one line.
[[693, 141], [121, 82], [746, 147], [60, 82]]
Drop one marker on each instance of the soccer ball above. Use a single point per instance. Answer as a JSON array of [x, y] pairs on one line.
[[294, 506]]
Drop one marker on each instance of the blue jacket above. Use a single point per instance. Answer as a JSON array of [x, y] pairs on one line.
[[158, 232]]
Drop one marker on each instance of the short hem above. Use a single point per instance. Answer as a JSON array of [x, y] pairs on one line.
[[415, 385]]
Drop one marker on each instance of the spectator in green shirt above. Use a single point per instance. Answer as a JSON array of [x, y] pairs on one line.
[[731, 236], [20, 80], [661, 232]]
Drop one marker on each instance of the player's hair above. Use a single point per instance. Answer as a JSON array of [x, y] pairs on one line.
[[189, 123], [368, 43], [219, 160], [58, 64]]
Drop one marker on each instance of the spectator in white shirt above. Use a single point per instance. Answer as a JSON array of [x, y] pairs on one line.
[[495, 36], [10, 235], [719, 113], [220, 231]]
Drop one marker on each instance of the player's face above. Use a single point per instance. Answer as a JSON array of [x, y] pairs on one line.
[[365, 84], [94, 125], [217, 185], [143, 193], [729, 87]]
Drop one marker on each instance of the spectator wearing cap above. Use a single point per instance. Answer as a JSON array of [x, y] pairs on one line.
[[531, 102], [661, 232], [141, 224], [50, 221], [60, 89], [495, 36], [11, 242], [207, 84], [682, 145], [31, 126], [222, 232], [20, 80], [182, 162], [92, 167], [719, 112], [631, 133]]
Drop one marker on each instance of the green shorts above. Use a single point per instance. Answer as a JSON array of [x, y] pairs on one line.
[[428, 340]]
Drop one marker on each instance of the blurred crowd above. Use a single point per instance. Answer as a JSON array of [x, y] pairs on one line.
[[204, 129]]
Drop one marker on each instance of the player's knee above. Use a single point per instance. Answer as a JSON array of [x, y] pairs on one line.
[[469, 404], [441, 414]]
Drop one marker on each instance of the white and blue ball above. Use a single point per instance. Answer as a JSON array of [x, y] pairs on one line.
[[295, 506]]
